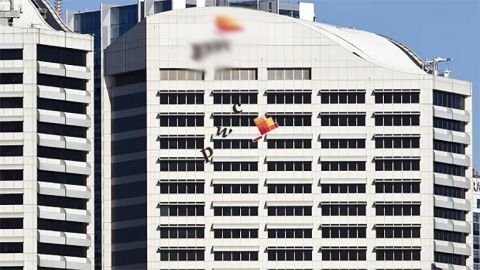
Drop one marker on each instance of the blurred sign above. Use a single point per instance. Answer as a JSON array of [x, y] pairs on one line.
[[476, 185]]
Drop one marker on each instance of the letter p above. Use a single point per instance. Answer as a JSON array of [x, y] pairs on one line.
[[206, 155]]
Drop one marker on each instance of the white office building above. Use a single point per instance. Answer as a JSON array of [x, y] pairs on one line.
[[369, 169], [46, 143]]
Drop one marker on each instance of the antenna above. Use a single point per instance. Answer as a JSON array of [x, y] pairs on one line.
[[446, 73], [58, 7], [433, 63]]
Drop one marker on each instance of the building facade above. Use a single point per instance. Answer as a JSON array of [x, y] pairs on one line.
[[476, 221], [111, 22], [46, 140], [369, 169]]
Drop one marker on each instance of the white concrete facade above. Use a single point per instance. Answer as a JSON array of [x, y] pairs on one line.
[[335, 59], [24, 36]]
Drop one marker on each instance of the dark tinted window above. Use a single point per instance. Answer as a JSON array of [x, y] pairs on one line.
[[129, 212], [126, 102], [61, 106], [129, 78], [11, 223], [8, 247], [11, 78], [11, 199], [130, 123], [59, 153], [130, 190], [61, 55], [63, 82], [131, 234], [65, 202], [132, 167], [11, 54], [11, 102], [61, 226], [11, 126], [56, 129], [128, 146], [62, 178], [128, 257], [449, 100], [11, 175], [62, 250], [11, 150]]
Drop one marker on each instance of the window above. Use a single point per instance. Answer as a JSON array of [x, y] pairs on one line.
[[129, 234], [181, 75], [295, 254], [449, 213], [62, 82], [397, 97], [11, 150], [11, 175], [130, 101], [62, 130], [449, 236], [11, 102], [397, 165], [182, 165], [61, 55], [449, 100], [182, 254], [126, 146], [397, 232], [126, 191], [11, 223], [11, 54], [59, 153], [342, 143], [349, 254], [289, 188], [235, 74], [162, 6], [235, 256], [182, 210], [446, 191], [344, 232], [234, 144], [448, 124], [233, 121], [129, 78], [289, 98], [11, 199], [289, 13], [189, 231], [289, 144], [61, 106], [235, 233], [293, 120], [342, 97], [399, 209], [449, 147], [235, 211], [182, 143], [343, 188], [182, 121], [398, 255], [449, 258], [397, 142], [235, 98], [11, 78], [235, 166], [282, 211], [61, 226], [448, 169], [289, 233], [181, 98], [9, 247], [343, 166], [64, 202], [344, 209], [61, 178], [289, 73], [397, 120], [335, 120], [397, 186], [182, 188], [11, 127], [129, 256], [62, 250], [289, 166], [235, 188]]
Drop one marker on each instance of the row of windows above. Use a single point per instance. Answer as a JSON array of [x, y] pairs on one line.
[[235, 188], [398, 232], [129, 78], [449, 213], [448, 169], [182, 98], [449, 147], [235, 166], [11, 175], [182, 188], [235, 233], [181, 165], [397, 187], [11, 78], [289, 188], [61, 106], [61, 55], [181, 75], [11, 127], [397, 210], [11, 150], [398, 255], [289, 98], [388, 98], [343, 188], [11, 199], [183, 121], [344, 232], [234, 144], [448, 124], [452, 192], [289, 73], [289, 144], [59, 153], [235, 98], [182, 143], [343, 166], [344, 210], [62, 130], [342, 143], [342, 120], [11, 54], [397, 165], [342, 98], [289, 255], [64, 202], [397, 142], [289, 166], [397, 120], [62, 82], [182, 232], [62, 178], [235, 74], [449, 236], [11, 223], [449, 100], [11, 102]]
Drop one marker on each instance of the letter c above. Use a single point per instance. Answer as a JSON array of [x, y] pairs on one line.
[[235, 109]]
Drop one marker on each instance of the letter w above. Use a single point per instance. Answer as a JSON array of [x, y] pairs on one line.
[[223, 132]]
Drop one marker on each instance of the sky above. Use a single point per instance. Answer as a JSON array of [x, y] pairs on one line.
[[431, 28]]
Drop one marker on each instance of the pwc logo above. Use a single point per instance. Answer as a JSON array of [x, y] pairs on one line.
[[224, 25]]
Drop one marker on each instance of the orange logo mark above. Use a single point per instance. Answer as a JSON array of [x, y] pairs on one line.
[[264, 126], [226, 24]]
